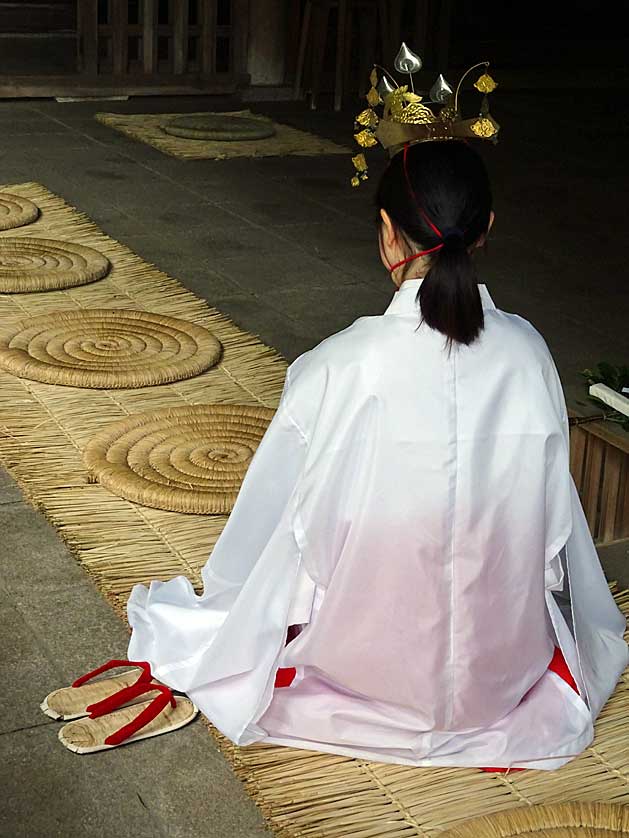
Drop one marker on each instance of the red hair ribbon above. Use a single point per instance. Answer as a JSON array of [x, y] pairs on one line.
[[414, 256], [423, 214]]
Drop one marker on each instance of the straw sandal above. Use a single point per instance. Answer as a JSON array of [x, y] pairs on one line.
[[73, 702], [107, 727]]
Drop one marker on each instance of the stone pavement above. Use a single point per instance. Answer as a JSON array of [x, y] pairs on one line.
[[288, 250]]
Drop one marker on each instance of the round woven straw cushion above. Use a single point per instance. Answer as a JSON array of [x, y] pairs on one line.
[[566, 820], [28, 264], [184, 459], [107, 348], [16, 211], [219, 127]]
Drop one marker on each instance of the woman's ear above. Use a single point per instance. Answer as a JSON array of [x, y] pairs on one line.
[[389, 233], [482, 240]]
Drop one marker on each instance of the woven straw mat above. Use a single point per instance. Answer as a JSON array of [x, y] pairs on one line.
[[34, 264], [16, 211], [43, 432], [186, 459], [149, 128], [568, 820], [107, 348]]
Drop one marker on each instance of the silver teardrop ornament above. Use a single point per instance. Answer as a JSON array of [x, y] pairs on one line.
[[406, 61], [384, 87], [441, 91]]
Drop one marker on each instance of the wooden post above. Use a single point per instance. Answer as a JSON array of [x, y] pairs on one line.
[[239, 36], [610, 523], [421, 37], [149, 36], [592, 483], [394, 34], [301, 55], [384, 17], [207, 41], [293, 40], [320, 20], [180, 37], [341, 52], [444, 34], [623, 506], [87, 26], [120, 44]]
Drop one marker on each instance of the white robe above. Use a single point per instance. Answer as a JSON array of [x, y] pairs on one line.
[[414, 509]]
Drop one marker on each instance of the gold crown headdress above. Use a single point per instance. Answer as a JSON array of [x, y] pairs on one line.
[[407, 119]]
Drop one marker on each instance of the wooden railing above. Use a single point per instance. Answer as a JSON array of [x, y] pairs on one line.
[[162, 38], [151, 46], [599, 462]]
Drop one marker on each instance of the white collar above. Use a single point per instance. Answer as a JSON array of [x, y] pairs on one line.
[[404, 299]]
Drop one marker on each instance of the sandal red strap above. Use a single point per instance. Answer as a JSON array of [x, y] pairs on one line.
[[113, 702], [142, 719], [145, 675]]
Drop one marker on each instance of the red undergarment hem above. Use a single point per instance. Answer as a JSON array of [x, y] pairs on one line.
[[558, 665]]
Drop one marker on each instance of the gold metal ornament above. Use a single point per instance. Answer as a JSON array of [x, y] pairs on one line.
[[447, 114], [484, 127], [367, 118], [360, 162], [416, 114], [486, 84], [365, 139], [373, 97], [355, 181]]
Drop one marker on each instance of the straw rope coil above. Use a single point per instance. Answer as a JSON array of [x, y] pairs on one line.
[[16, 211], [567, 820], [185, 459], [107, 348], [33, 264], [220, 127]]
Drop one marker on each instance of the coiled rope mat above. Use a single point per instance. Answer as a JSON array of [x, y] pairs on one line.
[[43, 432], [186, 459], [569, 820], [107, 348], [34, 264], [16, 211], [219, 127]]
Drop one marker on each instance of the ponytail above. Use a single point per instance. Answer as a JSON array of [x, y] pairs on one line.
[[449, 297], [438, 195]]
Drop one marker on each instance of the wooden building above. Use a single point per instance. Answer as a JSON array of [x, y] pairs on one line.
[[105, 47]]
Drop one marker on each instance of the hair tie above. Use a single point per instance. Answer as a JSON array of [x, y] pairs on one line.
[[453, 238]]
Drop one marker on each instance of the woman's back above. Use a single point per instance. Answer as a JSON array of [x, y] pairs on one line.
[[423, 506]]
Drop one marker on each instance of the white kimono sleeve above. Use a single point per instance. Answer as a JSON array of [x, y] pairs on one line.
[[222, 648], [598, 624], [558, 494]]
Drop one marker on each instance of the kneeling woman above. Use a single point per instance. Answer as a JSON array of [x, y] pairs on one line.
[[389, 584]]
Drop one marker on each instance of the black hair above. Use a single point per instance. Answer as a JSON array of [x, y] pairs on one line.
[[445, 183]]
